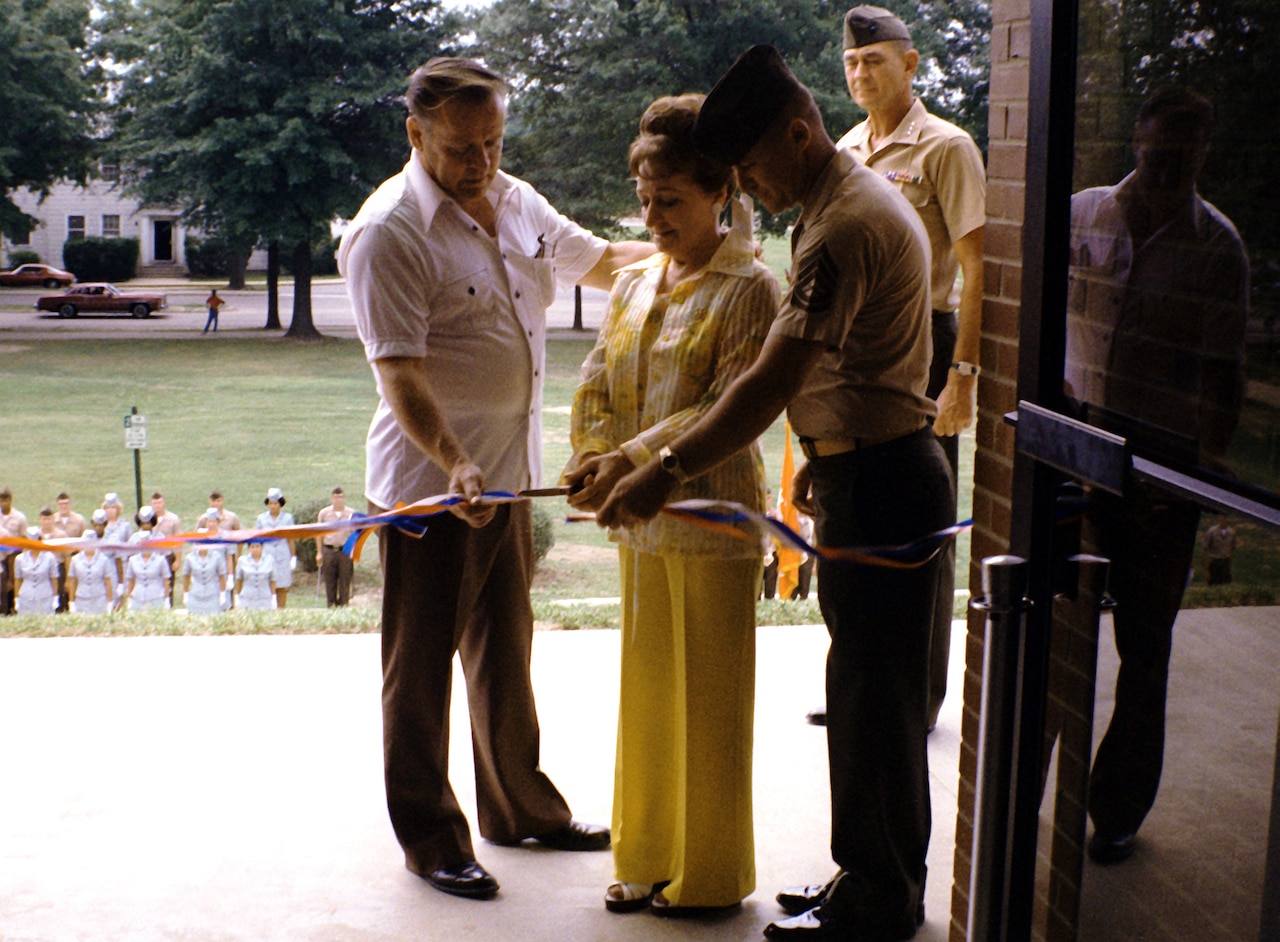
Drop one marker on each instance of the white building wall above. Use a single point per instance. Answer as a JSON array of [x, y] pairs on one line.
[[95, 201]]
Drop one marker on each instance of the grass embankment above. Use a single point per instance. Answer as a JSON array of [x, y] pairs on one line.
[[247, 414]]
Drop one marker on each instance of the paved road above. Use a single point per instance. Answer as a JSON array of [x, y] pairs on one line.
[[244, 314]]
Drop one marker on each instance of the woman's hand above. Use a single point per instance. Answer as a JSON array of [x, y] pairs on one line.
[[595, 478]]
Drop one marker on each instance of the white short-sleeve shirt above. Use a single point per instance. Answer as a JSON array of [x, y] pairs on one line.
[[426, 281]]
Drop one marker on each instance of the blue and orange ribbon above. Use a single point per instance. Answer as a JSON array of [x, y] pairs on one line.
[[724, 517]]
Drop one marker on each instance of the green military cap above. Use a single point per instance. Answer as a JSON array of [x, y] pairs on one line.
[[866, 25], [743, 104]]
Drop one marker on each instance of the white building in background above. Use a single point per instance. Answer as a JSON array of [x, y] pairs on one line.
[[100, 208]]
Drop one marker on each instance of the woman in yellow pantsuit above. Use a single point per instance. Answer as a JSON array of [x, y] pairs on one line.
[[681, 326]]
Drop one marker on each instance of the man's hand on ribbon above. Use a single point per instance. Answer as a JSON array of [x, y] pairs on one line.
[[637, 497], [595, 477], [467, 481]]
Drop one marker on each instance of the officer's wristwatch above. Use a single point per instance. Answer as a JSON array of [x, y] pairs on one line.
[[671, 464]]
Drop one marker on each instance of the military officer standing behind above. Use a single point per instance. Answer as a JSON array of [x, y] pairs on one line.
[[938, 168]]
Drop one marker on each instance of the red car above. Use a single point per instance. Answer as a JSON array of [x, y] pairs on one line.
[[46, 276], [100, 297]]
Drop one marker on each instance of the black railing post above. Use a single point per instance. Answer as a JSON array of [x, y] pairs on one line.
[[1004, 587]]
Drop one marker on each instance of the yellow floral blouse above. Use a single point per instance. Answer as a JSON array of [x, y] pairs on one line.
[[661, 362]]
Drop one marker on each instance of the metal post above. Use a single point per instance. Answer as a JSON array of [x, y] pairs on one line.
[[137, 471], [577, 307], [1004, 586]]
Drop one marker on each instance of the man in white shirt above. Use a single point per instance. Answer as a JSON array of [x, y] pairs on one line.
[[450, 266]]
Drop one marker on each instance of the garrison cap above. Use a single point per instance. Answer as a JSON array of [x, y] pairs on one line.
[[866, 25], [743, 104]]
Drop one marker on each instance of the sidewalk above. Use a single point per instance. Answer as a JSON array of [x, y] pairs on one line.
[[229, 790]]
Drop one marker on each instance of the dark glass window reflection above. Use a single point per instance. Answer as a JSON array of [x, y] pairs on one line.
[[1175, 251]]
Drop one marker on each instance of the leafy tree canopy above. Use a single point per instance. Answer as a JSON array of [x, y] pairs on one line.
[[46, 99], [265, 119], [583, 71]]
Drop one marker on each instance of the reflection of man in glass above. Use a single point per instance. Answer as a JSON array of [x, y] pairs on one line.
[[1155, 336]]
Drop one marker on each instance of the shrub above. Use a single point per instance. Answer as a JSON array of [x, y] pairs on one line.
[[544, 532], [22, 257], [95, 259], [207, 258], [306, 511]]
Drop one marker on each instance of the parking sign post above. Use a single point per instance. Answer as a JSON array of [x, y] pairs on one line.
[[135, 439]]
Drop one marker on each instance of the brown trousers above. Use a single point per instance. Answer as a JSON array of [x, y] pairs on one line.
[[465, 590]]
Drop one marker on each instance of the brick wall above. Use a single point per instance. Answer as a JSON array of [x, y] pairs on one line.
[[993, 466]]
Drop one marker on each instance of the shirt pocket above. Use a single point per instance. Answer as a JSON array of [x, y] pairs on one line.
[[916, 191], [537, 276], [467, 304]]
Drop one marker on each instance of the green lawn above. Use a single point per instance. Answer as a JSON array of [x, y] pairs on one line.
[[248, 414]]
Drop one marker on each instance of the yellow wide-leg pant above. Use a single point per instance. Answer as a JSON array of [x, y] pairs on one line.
[[682, 781]]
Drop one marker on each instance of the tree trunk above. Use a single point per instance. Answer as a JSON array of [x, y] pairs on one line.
[[302, 327], [236, 265], [273, 286]]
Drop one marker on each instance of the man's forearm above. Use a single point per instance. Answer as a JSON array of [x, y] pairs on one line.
[[749, 406], [616, 255], [408, 394]]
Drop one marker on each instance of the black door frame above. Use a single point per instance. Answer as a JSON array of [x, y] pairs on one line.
[[1049, 443]]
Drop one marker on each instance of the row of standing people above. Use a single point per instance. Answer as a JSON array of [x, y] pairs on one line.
[[109, 580]]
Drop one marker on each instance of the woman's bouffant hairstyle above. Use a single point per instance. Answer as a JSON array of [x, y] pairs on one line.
[[445, 78], [665, 145]]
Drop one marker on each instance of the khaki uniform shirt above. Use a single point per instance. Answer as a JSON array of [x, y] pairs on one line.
[[14, 523], [329, 515], [860, 286], [72, 524], [938, 168], [168, 524]]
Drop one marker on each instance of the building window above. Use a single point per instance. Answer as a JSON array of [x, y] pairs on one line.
[[111, 227], [110, 172], [75, 228]]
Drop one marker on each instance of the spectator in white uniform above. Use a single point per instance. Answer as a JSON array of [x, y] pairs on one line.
[[204, 579], [280, 552], [148, 580], [255, 579], [90, 586], [35, 579], [119, 529]]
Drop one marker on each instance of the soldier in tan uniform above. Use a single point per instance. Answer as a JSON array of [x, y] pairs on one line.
[[335, 565], [938, 168], [12, 523], [73, 525]]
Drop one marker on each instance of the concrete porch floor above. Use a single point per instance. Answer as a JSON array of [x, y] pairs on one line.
[[211, 789]]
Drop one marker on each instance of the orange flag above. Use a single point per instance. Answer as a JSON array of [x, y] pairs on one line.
[[789, 559]]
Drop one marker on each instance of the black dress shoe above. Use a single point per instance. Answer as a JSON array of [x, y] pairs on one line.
[[1103, 849], [576, 836], [817, 717], [795, 900], [810, 925], [469, 879]]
